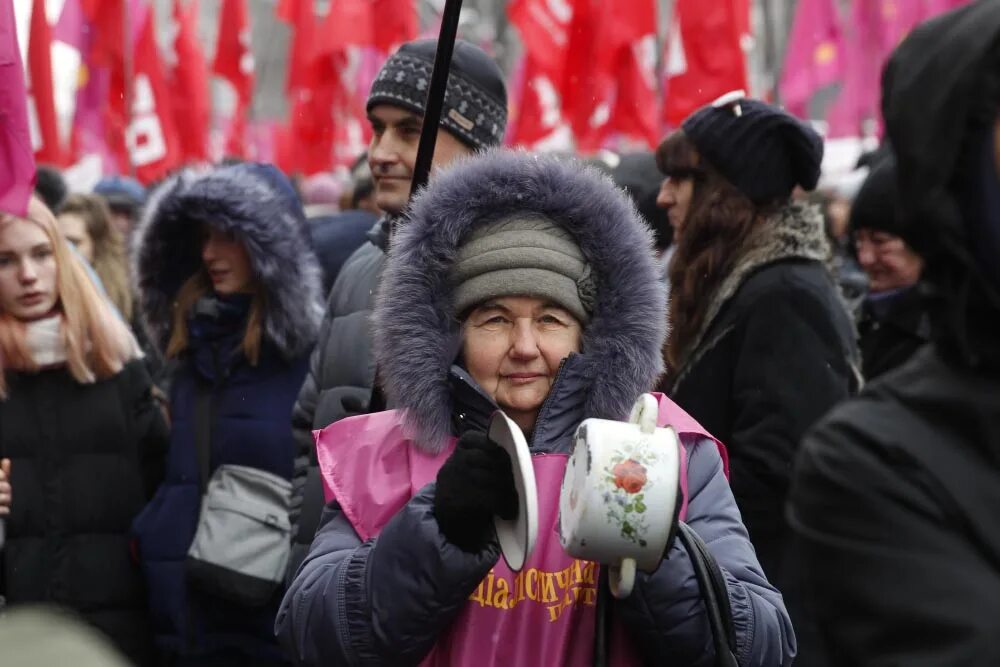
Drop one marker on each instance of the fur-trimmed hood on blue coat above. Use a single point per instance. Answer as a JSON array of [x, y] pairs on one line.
[[258, 205], [417, 332]]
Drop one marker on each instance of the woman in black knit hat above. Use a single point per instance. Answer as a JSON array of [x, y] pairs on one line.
[[761, 345]]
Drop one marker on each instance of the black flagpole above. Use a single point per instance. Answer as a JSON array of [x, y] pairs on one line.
[[428, 133], [435, 95]]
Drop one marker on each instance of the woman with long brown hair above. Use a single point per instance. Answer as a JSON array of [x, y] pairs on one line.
[[761, 345], [81, 439], [85, 220], [230, 293]]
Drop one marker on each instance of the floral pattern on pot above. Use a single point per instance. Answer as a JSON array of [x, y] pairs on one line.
[[625, 482]]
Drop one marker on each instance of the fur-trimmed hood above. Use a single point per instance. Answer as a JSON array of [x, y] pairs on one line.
[[257, 204], [417, 332], [796, 231]]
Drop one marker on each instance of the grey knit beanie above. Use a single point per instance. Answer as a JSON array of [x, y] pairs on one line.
[[523, 256]]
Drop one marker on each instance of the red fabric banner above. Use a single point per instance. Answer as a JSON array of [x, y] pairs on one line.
[[234, 62], [189, 84], [704, 57], [41, 102]]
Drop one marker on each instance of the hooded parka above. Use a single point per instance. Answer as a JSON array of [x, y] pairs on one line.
[[390, 589], [251, 403]]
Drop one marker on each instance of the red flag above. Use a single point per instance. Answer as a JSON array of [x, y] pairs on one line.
[[299, 14], [348, 23], [41, 103], [234, 62], [704, 58], [538, 112], [545, 31], [151, 136], [17, 164], [107, 17], [394, 22], [189, 84], [636, 112], [609, 69]]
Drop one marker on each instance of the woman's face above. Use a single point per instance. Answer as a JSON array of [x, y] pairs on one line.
[[28, 270], [888, 261], [74, 228], [227, 262], [675, 198], [512, 347]]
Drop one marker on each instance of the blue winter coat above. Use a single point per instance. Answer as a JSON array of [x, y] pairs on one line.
[[251, 412], [252, 404]]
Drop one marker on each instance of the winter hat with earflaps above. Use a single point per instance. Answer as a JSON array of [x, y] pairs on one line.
[[761, 149]]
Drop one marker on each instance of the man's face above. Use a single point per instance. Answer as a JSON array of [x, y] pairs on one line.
[[392, 154]]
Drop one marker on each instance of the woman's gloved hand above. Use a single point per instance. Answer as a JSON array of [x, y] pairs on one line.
[[473, 485]]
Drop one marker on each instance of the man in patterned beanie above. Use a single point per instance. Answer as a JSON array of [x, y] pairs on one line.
[[342, 369], [473, 118]]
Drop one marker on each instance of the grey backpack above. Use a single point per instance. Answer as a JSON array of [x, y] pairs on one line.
[[242, 544]]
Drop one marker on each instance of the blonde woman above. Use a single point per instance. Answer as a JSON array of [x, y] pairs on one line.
[[230, 292], [81, 439], [85, 220]]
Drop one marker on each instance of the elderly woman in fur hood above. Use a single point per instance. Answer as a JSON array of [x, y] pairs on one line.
[[527, 284], [761, 345], [230, 292]]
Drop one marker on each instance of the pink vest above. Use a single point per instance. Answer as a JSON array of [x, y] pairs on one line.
[[545, 613]]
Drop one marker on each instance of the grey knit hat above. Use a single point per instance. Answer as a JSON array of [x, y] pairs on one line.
[[475, 101], [523, 256]]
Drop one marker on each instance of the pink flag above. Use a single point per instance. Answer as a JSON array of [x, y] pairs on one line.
[[17, 170], [814, 58]]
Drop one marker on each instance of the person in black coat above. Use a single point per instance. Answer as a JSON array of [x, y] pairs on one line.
[[81, 438], [761, 345], [894, 322], [896, 493]]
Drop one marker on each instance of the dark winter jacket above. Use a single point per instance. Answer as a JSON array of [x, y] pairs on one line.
[[251, 404], [902, 483], [85, 459], [775, 354], [335, 238], [895, 501], [892, 327], [341, 371], [387, 601]]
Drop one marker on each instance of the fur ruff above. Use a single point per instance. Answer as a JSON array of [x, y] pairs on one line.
[[417, 332], [795, 232], [167, 252]]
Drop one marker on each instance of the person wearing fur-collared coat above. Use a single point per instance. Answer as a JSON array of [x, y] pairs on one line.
[[527, 284], [231, 293], [761, 344]]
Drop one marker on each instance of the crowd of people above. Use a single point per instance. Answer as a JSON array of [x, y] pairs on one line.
[[243, 417]]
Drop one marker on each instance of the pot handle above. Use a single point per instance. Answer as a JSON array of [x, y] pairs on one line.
[[622, 578], [645, 413]]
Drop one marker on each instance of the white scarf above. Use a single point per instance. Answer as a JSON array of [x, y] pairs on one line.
[[45, 341]]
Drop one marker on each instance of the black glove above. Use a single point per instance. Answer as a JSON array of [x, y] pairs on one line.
[[475, 483]]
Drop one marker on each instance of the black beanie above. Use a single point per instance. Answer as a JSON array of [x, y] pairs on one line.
[[762, 150], [475, 101], [876, 206]]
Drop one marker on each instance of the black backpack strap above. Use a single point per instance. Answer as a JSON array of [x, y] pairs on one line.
[[714, 593], [203, 431]]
